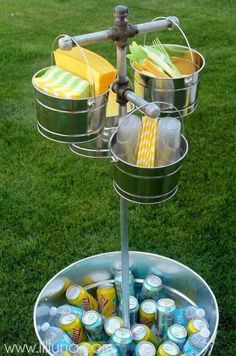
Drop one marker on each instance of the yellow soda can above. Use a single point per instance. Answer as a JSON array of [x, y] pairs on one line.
[[147, 312], [71, 324], [195, 325], [66, 353], [142, 332], [78, 296], [106, 296], [168, 348]]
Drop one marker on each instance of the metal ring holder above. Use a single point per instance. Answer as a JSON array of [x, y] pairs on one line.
[[149, 263]]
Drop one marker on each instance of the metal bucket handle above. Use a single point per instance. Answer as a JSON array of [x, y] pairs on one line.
[[85, 58], [188, 80]]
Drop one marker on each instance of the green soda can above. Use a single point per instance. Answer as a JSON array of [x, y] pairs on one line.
[[94, 325], [122, 339], [118, 284], [150, 289], [164, 316], [177, 334], [145, 348], [168, 348]]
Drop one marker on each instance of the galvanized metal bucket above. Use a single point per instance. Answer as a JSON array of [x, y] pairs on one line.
[[147, 185], [69, 120], [99, 147], [179, 92], [180, 283]]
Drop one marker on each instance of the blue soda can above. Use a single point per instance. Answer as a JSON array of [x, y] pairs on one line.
[[122, 339], [118, 284], [94, 325], [177, 334], [164, 316], [107, 350], [133, 310], [145, 348], [151, 288]]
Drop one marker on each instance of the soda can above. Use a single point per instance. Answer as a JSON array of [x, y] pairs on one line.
[[145, 348], [106, 296], [78, 296], [94, 325], [118, 284], [164, 317], [142, 332], [151, 288], [71, 324], [147, 312], [133, 309], [123, 341], [112, 324], [107, 350], [196, 324], [178, 334], [168, 348]]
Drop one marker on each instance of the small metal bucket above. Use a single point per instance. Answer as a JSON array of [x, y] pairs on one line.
[[99, 147], [179, 282], [179, 92], [69, 120], [146, 185]]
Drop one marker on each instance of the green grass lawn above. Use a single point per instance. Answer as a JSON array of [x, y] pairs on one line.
[[56, 208]]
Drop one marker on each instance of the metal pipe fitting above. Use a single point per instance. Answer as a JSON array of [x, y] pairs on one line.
[[158, 25], [66, 43], [122, 31], [150, 109]]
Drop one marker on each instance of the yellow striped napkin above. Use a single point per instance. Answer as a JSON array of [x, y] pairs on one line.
[[58, 82], [147, 143]]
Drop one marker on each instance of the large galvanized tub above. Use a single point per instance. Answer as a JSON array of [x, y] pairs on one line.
[[180, 283]]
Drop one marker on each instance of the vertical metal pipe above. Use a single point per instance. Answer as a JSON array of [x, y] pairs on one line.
[[121, 64], [121, 21], [121, 77], [125, 260]]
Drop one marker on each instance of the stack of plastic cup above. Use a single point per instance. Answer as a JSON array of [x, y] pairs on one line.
[[128, 137], [168, 141]]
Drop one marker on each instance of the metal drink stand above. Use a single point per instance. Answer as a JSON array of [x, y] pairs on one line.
[[120, 34]]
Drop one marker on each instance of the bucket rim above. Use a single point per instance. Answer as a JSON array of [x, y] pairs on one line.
[[184, 76], [117, 159], [58, 97], [212, 339]]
